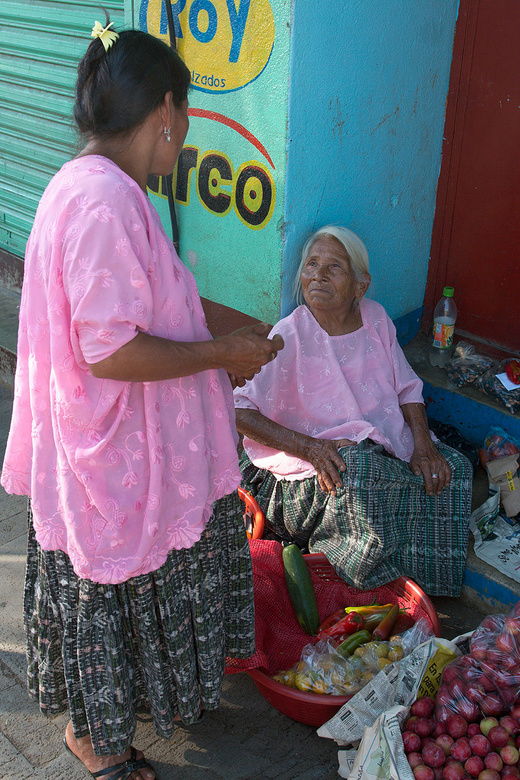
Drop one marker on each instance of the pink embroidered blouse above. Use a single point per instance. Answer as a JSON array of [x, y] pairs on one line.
[[333, 387], [119, 473]]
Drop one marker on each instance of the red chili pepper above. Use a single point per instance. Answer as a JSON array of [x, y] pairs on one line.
[[332, 619], [513, 371], [346, 626]]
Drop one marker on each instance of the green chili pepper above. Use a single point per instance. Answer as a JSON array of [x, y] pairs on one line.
[[347, 647]]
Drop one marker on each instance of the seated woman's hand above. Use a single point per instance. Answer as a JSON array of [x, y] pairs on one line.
[[428, 461], [324, 456]]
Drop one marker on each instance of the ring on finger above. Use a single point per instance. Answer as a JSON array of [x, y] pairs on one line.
[[435, 476]]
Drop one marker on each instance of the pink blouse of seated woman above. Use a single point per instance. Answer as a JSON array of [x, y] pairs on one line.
[[340, 410]]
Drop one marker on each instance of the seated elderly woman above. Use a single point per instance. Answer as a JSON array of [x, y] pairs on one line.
[[337, 449]]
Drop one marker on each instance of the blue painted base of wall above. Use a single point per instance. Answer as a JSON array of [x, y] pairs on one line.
[[493, 596], [407, 326], [471, 418]]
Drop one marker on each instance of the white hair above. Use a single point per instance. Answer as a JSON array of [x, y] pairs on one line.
[[354, 247]]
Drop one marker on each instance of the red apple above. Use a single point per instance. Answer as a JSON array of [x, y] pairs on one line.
[[423, 727], [442, 713], [515, 712], [493, 761], [409, 723], [505, 642], [423, 772], [411, 742], [423, 707], [494, 657], [444, 741], [460, 750], [453, 771], [486, 683], [510, 724], [473, 728], [456, 726], [491, 622], [475, 692], [449, 673], [438, 729], [474, 766], [415, 759], [498, 737], [457, 688], [510, 771], [479, 745], [443, 695], [512, 625], [509, 755], [491, 705], [489, 774], [479, 649], [469, 710], [433, 755]]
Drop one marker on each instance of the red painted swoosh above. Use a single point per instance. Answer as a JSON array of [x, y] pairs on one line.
[[225, 120]]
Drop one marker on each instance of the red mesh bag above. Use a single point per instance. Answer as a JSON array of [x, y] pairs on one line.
[[279, 637], [486, 681]]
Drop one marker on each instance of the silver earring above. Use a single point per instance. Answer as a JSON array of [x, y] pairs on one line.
[[167, 132]]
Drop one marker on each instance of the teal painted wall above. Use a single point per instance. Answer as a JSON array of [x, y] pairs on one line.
[[368, 85], [231, 176]]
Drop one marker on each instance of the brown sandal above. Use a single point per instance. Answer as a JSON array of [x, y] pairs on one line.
[[121, 771]]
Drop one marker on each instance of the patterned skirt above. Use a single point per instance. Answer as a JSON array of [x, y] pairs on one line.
[[156, 643], [380, 525]]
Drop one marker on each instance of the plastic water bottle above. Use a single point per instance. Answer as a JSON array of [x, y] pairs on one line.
[[444, 318]]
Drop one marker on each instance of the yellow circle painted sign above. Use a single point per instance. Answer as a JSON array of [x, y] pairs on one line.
[[225, 43]]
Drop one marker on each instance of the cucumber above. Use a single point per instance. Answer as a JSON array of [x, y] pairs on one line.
[[301, 589]]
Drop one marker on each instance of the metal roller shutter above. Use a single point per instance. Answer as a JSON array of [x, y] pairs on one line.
[[40, 45]]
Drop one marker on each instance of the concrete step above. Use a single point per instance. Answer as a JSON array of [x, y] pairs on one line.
[[471, 411]]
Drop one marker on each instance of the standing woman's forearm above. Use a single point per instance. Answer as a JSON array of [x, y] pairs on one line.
[[256, 426]]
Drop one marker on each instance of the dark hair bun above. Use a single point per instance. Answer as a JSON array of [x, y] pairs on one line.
[[117, 89]]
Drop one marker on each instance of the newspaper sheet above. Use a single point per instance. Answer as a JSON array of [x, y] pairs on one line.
[[381, 754], [501, 548]]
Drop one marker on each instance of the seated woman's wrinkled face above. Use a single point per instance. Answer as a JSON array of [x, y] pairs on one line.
[[328, 281]]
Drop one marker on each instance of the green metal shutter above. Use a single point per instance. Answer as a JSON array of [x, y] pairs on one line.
[[40, 45]]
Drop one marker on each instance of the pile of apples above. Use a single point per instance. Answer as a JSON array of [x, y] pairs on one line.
[[453, 749]]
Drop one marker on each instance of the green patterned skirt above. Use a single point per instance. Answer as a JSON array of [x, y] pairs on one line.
[[156, 643], [380, 525]]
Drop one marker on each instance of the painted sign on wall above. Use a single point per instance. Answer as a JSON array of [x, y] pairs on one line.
[[231, 171]]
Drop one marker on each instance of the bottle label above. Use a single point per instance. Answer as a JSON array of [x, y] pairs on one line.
[[442, 335]]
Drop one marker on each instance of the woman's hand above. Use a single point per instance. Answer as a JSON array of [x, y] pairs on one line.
[[245, 351], [428, 461], [324, 456], [426, 458], [321, 453]]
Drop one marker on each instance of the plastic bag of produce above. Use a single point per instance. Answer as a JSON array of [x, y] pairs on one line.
[[486, 681], [325, 667], [490, 384], [499, 443], [466, 365]]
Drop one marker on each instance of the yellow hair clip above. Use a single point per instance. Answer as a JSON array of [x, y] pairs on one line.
[[107, 36]]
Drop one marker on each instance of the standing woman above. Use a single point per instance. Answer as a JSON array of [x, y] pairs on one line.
[[138, 579]]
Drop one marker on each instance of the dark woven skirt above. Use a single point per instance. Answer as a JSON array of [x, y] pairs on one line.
[[156, 643], [380, 525]]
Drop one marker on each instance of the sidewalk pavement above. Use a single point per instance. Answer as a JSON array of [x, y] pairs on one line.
[[245, 739]]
